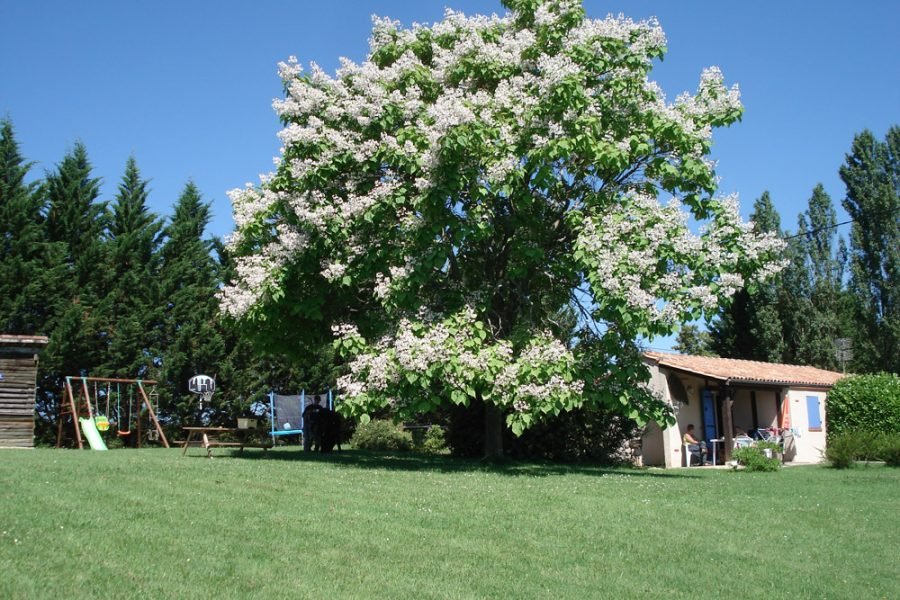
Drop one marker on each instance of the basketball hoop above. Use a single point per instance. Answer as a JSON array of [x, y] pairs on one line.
[[204, 386]]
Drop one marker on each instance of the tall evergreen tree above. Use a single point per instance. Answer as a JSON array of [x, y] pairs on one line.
[[30, 268], [693, 340], [77, 218], [821, 302], [794, 305], [130, 304], [872, 175], [76, 221], [750, 327], [191, 340]]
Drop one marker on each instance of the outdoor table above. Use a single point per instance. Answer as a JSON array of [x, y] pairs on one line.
[[208, 438], [715, 442]]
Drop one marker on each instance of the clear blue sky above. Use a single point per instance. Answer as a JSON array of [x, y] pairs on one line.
[[186, 86]]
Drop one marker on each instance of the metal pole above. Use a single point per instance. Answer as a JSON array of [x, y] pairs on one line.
[[272, 414]]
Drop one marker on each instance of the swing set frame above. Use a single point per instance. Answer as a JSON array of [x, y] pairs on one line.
[[77, 401]]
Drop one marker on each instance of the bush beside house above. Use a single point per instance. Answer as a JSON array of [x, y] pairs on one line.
[[863, 415], [864, 403]]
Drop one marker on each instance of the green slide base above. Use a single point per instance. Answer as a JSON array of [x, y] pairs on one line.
[[93, 436]]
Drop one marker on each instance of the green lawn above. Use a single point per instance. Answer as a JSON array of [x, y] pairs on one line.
[[151, 524]]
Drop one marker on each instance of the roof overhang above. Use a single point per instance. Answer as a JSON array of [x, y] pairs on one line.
[[730, 381]]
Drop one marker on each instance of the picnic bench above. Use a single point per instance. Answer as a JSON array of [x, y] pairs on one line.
[[210, 437]]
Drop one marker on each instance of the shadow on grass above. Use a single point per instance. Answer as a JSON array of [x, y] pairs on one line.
[[412, 461]]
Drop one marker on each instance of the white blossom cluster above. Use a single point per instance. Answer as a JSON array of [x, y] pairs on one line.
[[328, 118], [253, 273], [697, 114], [538, 375], [645, 256], [447, 349]]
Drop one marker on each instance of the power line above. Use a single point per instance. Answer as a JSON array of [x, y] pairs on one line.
[[836, 225]]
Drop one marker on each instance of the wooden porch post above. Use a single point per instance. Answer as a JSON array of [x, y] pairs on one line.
[[728, 422], [779, 403]]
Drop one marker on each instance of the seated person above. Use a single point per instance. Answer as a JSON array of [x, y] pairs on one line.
[[695, 448], [741, 439]]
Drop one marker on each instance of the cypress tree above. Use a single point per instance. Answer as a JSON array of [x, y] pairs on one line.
[[872, 175], [820, 308], [191, 340], [30, 268], [692, 340], [794, 304], [130, 303], [76, 221]]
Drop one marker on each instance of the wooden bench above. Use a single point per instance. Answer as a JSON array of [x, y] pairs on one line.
[[208, 438]]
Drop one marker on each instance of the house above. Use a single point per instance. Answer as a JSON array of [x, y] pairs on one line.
[[18, 375], [721, 396]]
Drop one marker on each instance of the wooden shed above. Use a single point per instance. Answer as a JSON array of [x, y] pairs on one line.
[[18, 378]]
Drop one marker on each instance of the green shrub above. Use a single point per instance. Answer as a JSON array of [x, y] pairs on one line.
[[380, 435], [754, 457], [435, 442], [842, 450], [889, 449], [864, 403], [869, 445], [846, 448]]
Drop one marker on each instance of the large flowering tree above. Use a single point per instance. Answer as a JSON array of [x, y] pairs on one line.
[[441, 204]]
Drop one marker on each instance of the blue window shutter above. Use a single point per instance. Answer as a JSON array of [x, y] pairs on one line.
[[812, 411], [709, 416]]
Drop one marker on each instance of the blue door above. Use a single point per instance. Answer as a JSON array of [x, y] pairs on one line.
[[709, 417]]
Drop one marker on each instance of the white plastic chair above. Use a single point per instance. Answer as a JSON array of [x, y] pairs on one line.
[[687, 455]]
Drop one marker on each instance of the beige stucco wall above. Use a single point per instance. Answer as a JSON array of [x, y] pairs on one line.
[[767, 408], [810, 445], [652, 451], [662, 446], [742, 410]]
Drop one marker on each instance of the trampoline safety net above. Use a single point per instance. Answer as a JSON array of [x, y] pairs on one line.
[[287, 414]]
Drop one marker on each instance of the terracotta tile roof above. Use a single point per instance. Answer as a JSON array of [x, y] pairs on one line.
[[25, 341], [749, 371]]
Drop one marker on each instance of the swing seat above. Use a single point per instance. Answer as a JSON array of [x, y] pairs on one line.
[[101, 422], [123, 433]]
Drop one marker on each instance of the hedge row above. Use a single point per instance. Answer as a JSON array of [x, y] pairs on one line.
[[864, 403]]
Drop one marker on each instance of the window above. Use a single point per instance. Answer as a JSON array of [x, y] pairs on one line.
[[812, 411]]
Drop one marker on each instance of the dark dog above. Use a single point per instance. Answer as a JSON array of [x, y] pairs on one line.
[[312, 427], [329, 430]]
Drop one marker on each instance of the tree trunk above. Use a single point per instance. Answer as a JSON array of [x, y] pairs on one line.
[[493, 431]]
